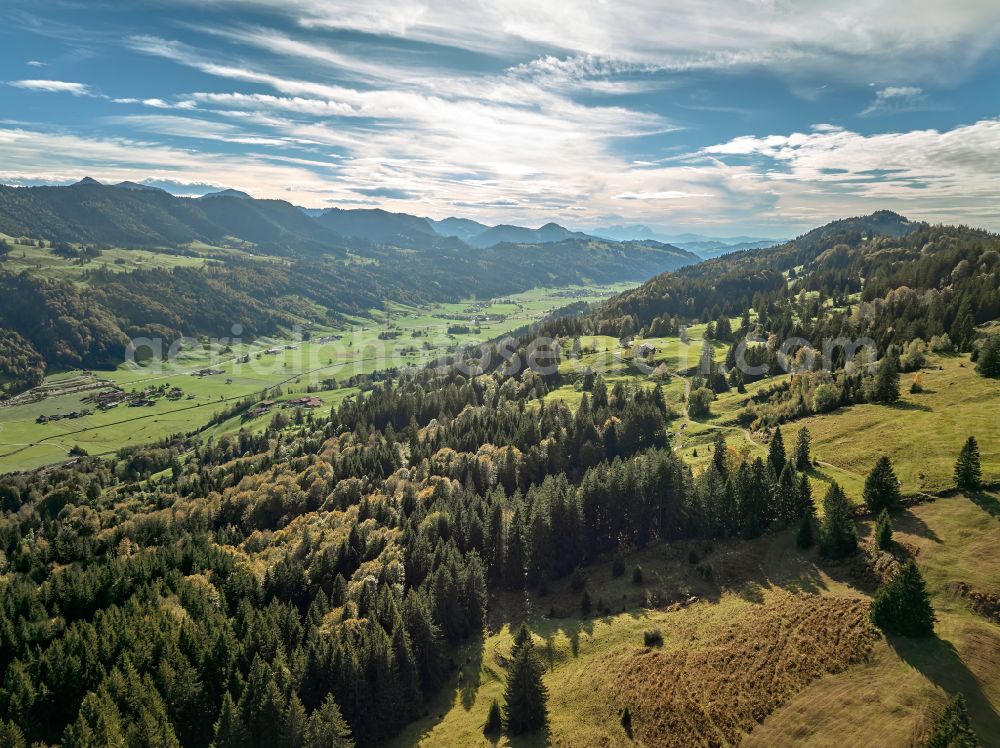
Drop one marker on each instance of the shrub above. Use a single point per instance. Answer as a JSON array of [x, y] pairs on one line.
[[652, 638], [637, 574], [618, 566], [826, 398]]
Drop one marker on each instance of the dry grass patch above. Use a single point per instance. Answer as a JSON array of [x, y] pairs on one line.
[[720, 690]]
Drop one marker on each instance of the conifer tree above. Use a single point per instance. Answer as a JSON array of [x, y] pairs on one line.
[[886, 386], [11, 735], [882, 487], [968, 471], [719, 454], [294, 724], [230, 732], [98, 724], [786, 498], [327, 727], [803, 459], [883, 531], [526, 697], [952, 728], [776, 452], [806, 505], [805, 535], [838, 536], [902, 606]]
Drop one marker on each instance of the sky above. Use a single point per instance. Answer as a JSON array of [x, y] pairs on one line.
[[724, 117]]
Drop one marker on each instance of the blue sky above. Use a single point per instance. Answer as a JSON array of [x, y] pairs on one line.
[[721, 116]]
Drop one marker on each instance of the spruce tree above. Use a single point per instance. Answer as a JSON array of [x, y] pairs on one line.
[[968, 471], [295, 724], [786, 499], [902, 606], [805, 495], [886, 385], [327, 727], [883, 531], [526, 695], [838, 536], [803, 459], [776, 452], [988, 361], [11, 735], [952, 728], [804, 537], [882, 487], [719, 454]]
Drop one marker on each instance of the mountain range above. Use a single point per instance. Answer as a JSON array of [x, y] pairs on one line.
[[705, 246]]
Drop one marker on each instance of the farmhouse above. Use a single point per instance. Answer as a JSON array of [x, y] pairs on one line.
[[647, 349], [306, 402]]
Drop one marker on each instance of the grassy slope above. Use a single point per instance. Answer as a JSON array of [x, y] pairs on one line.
[[888, 699]]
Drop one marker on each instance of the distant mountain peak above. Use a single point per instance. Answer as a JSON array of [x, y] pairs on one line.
[[86, 181], [137, 187], [226, 193]]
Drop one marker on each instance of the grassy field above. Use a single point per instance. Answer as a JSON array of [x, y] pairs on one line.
[[774, 649], [921, 433], [292, 367]]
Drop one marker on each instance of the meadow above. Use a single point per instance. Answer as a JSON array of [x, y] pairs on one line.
[[280, 369]]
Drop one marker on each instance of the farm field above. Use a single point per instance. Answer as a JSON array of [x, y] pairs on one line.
[[282, 368], [773, 649]]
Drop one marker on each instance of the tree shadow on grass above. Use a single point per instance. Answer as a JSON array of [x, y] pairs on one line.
[[909, 405], [986, 502], [939, 661], [471, 674], [910, 523], [535, 739]]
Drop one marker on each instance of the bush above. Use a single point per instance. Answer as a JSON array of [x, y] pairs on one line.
[[699, 402], [826, 398], [637, 575], [618, 566], [652, 638]]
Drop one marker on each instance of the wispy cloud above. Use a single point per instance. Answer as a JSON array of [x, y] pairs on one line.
[[894, 99], [77, 89]]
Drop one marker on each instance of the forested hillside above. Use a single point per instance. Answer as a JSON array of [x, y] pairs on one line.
[[331, 577], [274, 266]]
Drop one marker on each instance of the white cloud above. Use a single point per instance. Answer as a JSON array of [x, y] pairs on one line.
[[77, 89], [880, 37]]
